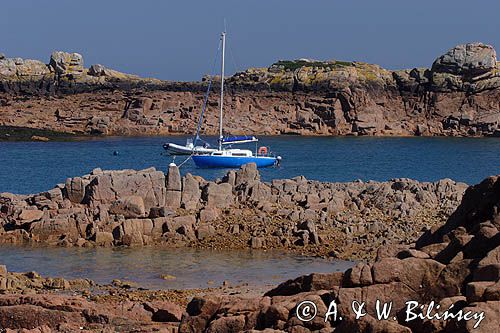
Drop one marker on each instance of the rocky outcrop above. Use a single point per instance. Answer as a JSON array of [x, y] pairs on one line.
[[67, 64], [64, 74], [470, 61], [11, 282], [31, 303], [454, 267], [457, 96], [137, 208]]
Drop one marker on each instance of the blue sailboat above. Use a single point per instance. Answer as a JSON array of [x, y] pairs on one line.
[[230, 157]]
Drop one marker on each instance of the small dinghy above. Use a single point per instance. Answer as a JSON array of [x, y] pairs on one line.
[[187, 149]]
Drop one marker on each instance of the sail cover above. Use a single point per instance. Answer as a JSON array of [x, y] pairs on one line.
[[239, 139]]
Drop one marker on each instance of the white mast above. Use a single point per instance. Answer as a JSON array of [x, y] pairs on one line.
[[223, 36]]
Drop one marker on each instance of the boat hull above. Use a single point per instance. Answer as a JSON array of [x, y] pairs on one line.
[[210, 161]]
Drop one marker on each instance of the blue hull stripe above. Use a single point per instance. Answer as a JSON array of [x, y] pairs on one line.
[[208, 161]]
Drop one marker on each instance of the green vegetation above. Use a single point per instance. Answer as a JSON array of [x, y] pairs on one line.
[[340, 63], [295, 64]]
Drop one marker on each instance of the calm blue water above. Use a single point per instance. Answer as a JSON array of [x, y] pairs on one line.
[[146, 265], [29, 167]]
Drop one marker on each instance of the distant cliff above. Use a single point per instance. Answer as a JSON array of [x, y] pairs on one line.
[[458, 96]]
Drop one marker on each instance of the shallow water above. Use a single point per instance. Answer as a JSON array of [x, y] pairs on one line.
[[191, 268], [29, 167]]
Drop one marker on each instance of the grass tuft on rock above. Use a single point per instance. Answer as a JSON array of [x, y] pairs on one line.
[[296, 64]]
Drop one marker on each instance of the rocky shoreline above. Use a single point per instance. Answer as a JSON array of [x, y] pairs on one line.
[[30, 301], [457, 96], [151, 208], [456, 263]]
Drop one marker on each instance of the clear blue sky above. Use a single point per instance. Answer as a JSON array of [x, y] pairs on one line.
[[177, 40]]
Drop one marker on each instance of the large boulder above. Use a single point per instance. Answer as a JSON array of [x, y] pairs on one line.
[[218, 195], [55, 229], [75, 189], [191, 192], [103, 238], [97, 70], [29, 316], [199, 313], [478, 204], [182, 225], [135, 232], [209, 214], [164, 311], [64, 63], [110, 186], [131, 206], [30, 215], [173, 187], [32, 68], [7, 67], [248, 173], [305, 283], [137, 226], [467, 59]]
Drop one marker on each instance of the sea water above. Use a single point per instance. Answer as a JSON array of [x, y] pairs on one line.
[[30, 167]]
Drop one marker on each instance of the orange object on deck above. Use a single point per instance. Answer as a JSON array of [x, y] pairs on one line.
[[263, 151]]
